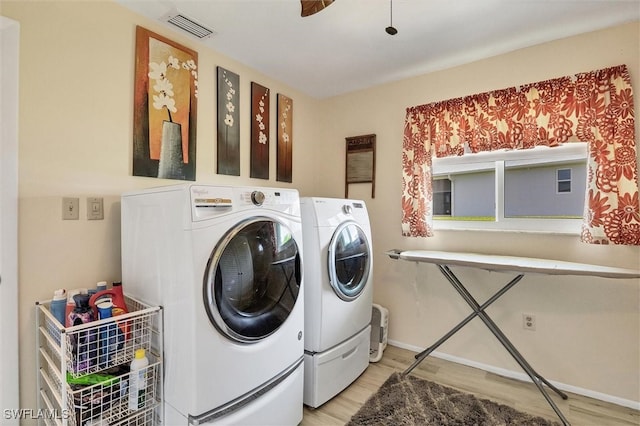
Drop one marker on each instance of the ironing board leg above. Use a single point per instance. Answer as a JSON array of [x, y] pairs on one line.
[[537, 379], [425, 353]]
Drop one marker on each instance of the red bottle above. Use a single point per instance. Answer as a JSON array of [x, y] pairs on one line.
[[119, 305]]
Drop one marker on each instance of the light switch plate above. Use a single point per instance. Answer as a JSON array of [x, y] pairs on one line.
[[70, 208], [95, 208]]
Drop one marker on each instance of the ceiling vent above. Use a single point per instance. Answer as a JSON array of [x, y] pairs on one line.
[[188, 25]]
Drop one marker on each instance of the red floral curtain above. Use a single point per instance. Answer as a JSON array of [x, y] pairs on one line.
[[594, 107]]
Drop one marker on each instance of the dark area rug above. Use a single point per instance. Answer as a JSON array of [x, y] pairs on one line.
[[410, 400]]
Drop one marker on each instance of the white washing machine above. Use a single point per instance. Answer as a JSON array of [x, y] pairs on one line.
[[225, 264], [338, 295]]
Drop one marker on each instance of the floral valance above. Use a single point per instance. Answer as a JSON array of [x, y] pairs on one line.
[[594, 107]]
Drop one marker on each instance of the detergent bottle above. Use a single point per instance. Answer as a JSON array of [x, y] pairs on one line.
[[117, 298], [119, 305]]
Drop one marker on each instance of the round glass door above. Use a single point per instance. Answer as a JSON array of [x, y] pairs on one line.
[[349, 261], [252, 280]]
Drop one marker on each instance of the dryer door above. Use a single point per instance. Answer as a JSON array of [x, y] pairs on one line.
[[349, 261], [252, 280]]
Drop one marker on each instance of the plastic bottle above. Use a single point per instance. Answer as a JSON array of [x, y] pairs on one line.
[[71, 304], [58, 305], [117, 298], [84, 342], [138, 380], [119, 305], [108, 341], [101, 286], [98, 421]]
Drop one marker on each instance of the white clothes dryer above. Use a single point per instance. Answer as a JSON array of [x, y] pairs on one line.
[[338, 295], [226, 265]]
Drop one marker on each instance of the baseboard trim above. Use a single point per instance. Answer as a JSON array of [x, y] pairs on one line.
[[523, 376]]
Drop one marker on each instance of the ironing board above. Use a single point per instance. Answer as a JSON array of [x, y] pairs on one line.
[[517, 265]]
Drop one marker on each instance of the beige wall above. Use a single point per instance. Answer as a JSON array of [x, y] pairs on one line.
[[76, 85], [75, 139], [587, 329]]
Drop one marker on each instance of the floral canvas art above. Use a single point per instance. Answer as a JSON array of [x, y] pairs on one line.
[[165, 107], [228, 123], [259, 131], [285, 139]]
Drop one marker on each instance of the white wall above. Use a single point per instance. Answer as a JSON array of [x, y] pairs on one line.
[[76, 87]]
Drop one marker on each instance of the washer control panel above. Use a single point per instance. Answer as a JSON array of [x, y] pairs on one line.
[[208, 201]]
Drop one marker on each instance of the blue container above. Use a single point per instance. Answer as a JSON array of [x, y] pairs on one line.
[[58, 305], [108, 333]]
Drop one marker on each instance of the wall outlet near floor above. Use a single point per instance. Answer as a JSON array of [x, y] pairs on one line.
[[529, 322], [70, 208]]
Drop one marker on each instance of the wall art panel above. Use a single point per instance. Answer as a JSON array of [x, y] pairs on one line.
[[228, 123], [284, 167], [260, 98], [165, 108]]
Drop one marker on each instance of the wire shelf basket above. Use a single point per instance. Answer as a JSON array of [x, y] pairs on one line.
[[84, 370]]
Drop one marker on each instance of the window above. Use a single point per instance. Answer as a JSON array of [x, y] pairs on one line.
[[442, 197], [564, 180], [471, 196], [540, 189]]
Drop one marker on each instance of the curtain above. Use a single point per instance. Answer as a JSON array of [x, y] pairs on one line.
[[594, 107]]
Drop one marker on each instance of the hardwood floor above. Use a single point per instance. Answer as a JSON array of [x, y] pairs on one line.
[[579, 410]]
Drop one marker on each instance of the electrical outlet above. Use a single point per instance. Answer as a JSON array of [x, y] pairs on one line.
[[70, 208], [529, 322], [95, 208]]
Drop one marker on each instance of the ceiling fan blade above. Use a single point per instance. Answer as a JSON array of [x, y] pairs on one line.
[[309, 7]]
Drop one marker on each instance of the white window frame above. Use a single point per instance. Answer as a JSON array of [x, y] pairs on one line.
[[496, 160], [570, 180]]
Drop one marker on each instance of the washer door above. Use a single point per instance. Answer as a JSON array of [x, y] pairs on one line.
[[349, 261], [252, 280]]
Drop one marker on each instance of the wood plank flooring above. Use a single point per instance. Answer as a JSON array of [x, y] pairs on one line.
[[579, 410]]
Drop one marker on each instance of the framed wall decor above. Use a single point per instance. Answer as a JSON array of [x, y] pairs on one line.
[[360, 162], [165, 108], [228, 123], [260, 98], [284, 156]]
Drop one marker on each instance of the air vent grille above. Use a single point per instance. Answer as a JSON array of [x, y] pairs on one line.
[[189, 25]]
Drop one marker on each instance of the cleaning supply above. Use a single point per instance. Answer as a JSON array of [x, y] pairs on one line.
[[116, 295], [71, 304], [138, 380], [92, 379], [108, 333], [98, 421], [58, 305], [101, 286], [84, 342]]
